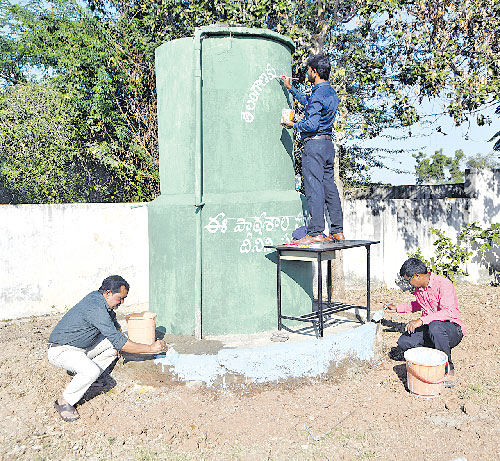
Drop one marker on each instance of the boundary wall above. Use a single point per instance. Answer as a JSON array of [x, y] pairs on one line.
[[401, 218], [53, 255]]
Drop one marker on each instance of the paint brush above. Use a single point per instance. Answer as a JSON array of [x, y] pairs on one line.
[[289, 78], [378, 315]]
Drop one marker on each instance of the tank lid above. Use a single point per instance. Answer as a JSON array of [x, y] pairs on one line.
[[246, 31]]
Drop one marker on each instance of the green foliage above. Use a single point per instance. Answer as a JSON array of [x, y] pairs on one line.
[[438, 168], [99, 59], [483, 161], [44, 160], [487, 238], [37, 144], [448, 256]]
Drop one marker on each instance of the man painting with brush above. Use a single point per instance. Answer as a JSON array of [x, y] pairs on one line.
[[440, 326], [87, 340], [317, 159]]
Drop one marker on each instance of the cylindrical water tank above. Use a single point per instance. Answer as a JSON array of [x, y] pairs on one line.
[[227, 184]]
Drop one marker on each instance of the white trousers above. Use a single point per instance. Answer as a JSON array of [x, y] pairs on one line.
[[88, 364]]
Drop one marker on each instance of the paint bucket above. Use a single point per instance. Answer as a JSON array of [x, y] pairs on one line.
[[425, 371], [141, 327], [287, 115]]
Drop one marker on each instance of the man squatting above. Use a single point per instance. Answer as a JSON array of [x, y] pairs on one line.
[[317, 159], [88, 339], [440, 326]]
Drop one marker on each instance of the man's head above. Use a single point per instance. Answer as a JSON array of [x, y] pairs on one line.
[[415, 273], [318, 68], [114, 289]]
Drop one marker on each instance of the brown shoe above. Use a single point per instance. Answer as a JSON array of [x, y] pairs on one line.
[[338, 236], [308, 239]]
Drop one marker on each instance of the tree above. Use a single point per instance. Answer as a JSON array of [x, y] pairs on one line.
[[446, 49], [386, 57], [483, 161], [43, 158], [113, 116], [439, 168]]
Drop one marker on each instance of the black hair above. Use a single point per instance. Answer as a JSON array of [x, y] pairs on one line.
[[411, 267], [113, 283], [321, 64]]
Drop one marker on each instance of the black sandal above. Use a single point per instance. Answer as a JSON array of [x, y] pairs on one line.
[[69, 408]]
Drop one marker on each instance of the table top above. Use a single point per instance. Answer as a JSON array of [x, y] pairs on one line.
[[324, 246]]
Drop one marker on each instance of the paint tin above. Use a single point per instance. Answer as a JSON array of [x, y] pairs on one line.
[[298, 182], [287, 115], [141, 327]]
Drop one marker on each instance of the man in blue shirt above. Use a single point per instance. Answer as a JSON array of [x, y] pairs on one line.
[[87, 340], [317, 159]]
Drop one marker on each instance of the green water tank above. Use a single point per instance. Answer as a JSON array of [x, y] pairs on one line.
[[227, 185]]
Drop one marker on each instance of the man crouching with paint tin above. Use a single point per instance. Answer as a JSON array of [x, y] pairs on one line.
[[440, 326], [88, 339]]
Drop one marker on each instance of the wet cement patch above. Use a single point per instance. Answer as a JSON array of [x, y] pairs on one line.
[[273, 363]]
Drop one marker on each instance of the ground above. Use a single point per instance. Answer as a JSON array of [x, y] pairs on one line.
[[363, 411]]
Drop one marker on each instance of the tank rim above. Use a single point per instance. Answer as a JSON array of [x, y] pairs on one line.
[[245, 31]]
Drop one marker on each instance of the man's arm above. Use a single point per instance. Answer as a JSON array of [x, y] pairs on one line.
[[136, 348], [99, 317], [298, 95], [312, 116], [108, 327], [414, 306]]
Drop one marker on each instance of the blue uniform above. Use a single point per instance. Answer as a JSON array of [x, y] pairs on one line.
[[318, 156]]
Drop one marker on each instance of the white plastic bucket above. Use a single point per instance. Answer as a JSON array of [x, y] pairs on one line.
[[426, 370]]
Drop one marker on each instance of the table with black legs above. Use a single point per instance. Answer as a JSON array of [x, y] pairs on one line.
[[319, 252]]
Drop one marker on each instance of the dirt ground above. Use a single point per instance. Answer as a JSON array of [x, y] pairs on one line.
[[362, 412]]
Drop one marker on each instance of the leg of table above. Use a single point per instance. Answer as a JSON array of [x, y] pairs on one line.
[[329, 281], [368, 283], [278, 279], [320, 295]]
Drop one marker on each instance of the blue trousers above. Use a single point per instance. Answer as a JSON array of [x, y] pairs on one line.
[[439, 335], [320, 187]]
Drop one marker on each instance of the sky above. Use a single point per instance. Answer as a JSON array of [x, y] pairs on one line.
[[468, 137]]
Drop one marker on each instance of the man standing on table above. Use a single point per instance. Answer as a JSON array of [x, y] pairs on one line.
[[317, 159], [87, 340]]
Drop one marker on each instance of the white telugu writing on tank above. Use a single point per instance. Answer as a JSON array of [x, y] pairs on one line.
[[264, 78], [256, 229]]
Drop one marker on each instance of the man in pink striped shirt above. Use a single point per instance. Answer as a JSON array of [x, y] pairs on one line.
[[440, 326]]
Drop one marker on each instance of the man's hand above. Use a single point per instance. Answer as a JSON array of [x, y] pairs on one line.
[[390, 307], [286, 81], [413, 325], [159, 346], [137, 348], [288, 124]]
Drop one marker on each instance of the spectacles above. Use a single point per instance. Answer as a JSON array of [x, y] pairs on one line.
[[411, 278]]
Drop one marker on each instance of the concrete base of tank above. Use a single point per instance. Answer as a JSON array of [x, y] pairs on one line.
[[269, 356]]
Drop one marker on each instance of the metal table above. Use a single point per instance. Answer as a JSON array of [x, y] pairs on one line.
[[321, 252]]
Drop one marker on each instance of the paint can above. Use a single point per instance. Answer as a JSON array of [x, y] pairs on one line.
[[426, 370], [298, 182], [287, 115], [141, 327]]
